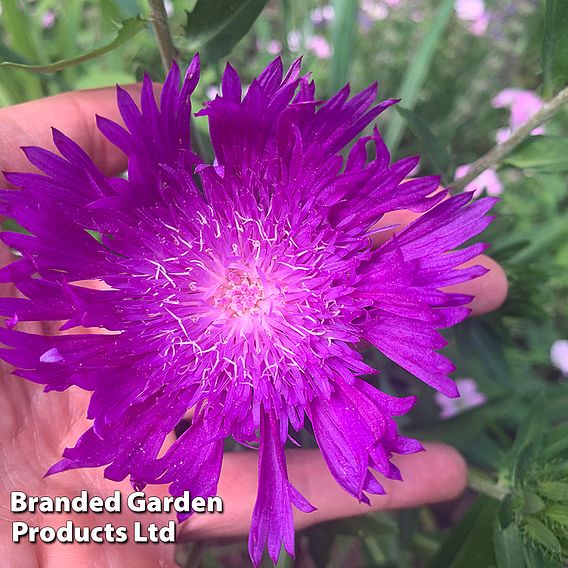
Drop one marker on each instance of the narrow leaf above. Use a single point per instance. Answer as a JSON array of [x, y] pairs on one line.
[[555, 46], [468, 544], [558, 514], [436, 151], [553, 490], [129, 28], [418, 71], [541, 153], [542, 535], [216, 26], [343, 38], [508, 547]]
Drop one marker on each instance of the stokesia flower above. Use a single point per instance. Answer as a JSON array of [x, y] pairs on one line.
[[239, 288]]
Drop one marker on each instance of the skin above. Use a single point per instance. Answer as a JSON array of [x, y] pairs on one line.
[[36, 427]]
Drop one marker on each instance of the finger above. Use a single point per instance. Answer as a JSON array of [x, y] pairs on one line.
[[489, 290], [438, 474], [74, 114]]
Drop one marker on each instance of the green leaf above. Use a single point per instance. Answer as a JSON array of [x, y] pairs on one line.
[[284, 560], [542, 239], [418, 71], [479, 338], [532, 503], [553, 490], [542, 535], [216, 26], [528, 442], [507, 511], [436, 151], [555, 46], [343, 41], [541, 153], [557, 514], [366, 525], [508, 547], [128, 29], [556, 442], [467, 546]]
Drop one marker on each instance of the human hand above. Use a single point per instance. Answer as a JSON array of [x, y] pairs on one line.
[[35, 429]]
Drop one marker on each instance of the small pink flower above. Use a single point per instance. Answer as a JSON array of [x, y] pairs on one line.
[[470, 397], [294, 40], [479, 26], [320, 47], [559, 355], [374, 10], [470, 10], [274, 47], [322, 15], [473, 13], [47, 19], [523, 104], [488, 181]]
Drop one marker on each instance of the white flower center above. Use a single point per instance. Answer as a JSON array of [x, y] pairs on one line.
[[240, 295]]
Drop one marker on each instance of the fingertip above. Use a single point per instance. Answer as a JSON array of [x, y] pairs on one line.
[[489, 290], [449, 461]]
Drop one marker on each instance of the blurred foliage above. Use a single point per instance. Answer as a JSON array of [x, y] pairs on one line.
[[516, 511]]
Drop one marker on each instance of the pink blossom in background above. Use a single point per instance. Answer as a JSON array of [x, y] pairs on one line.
[[470, 397], [319, 46], [322, 15], [274, 47], [375, 10], [488, 181], [524, 105], [474, 14], [417, 16], [470, 10], [211, 91], [47, 19], [294, 40], [559, 355]]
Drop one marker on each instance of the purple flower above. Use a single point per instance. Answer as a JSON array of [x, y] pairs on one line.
[[470, 397], [487, 181], [238, 289]]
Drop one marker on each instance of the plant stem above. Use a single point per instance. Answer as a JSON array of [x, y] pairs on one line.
[[481, 483], [497, 153], [161, 27]]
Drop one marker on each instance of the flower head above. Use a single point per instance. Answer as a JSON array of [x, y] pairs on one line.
[[239, 288]]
